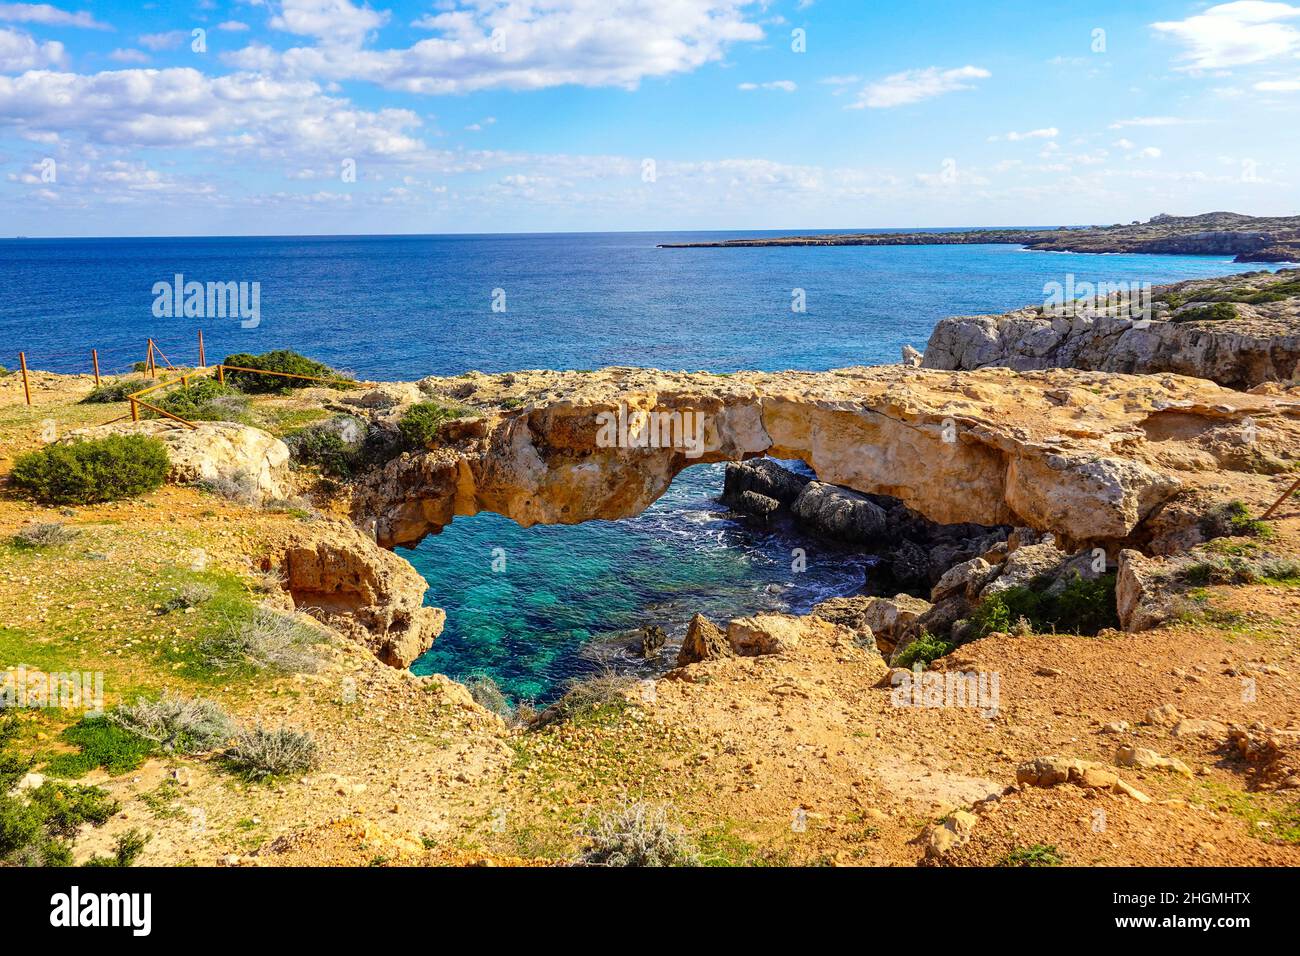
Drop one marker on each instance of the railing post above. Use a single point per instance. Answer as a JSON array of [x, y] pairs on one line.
[[135, 411], [27, 389], [221, 374], [202, 362], [152, 368], [94, 358]]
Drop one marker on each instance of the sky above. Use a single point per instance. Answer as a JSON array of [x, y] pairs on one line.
[[255, 117]]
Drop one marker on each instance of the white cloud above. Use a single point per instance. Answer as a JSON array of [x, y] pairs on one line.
[[1149, 121], [180, 108], [1047, 132], [1278, 86], [19, 51], [164, 41], [912, 86], [1235, 34], [1149, 152], [514, 44], [129, 56], [785, 86], [49, 16], [233, 26], [334, 21]]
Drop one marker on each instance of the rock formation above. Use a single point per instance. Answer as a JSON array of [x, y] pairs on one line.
[[1235, 331], [1087, 456]]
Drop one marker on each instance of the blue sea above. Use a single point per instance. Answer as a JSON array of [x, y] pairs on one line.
[[388, 307]]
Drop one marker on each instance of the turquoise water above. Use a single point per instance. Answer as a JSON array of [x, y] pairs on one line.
[[408, 306]]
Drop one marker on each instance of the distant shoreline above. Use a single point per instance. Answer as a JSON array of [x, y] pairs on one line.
[[1246, 238]]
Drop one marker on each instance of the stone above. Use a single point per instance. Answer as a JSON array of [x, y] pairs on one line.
[[777, 633], [763, 477], [1194, 727], [839, 513], [652, 638], [704, 641], [1115, 727], [1131, 791], [1140, 599], [1165, 715], [954, 831], [965, 579], [1146, 759], [911, 357]]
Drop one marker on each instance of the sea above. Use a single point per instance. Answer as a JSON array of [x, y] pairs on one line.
[[534, 608]]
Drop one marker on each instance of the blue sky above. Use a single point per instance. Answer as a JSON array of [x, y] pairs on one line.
[[251, 116]]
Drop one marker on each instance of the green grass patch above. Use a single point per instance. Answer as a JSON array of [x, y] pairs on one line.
[[100, 743], [1039, 854], [421, 423], [925, 650]]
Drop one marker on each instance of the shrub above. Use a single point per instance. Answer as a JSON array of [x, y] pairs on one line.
[[925, 650], [189, 595], [603, 694], [336, 446], [116, 391], [639, 835], [262, 754], [266, 638], [45, 535], [93, 470], [101, 743], [421, 422], [280, 360], [1216, 312], [238, 486], [127, 850], [487, 693], [1083, 606], [176, 724], [204, 399], [1232, 519]]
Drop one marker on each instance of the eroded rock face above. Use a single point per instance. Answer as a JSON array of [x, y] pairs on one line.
[[1070, 452], [340, 576], [704, 641], [1259, 342], [214, 451]]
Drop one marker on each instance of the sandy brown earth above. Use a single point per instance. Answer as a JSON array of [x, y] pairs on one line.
[[794, 758]]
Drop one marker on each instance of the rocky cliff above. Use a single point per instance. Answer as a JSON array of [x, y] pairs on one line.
[[1238, 331]]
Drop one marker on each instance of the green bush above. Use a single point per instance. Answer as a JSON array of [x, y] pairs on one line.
[[126, 851], [203, 400], [925, 650], [421, 422], [280, 360], [324, 445], [1083, 606], [1215, 312], [93, 470], [115, 391]]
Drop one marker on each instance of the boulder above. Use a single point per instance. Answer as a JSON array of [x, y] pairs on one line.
[[1140, 597], [1146, 759], [839, 513], [777, 633], [704, 641], [965, 579], [760, 476], [652, 638]]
